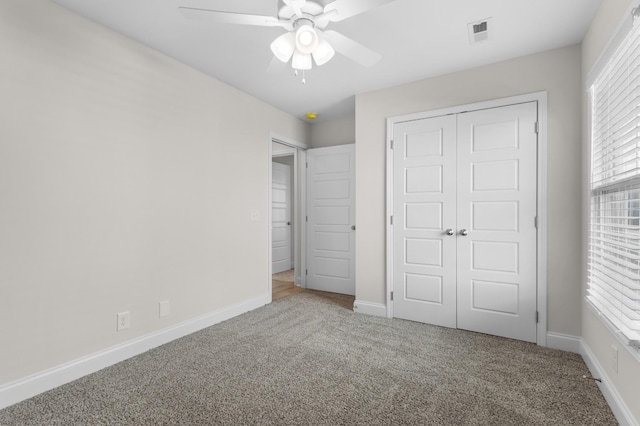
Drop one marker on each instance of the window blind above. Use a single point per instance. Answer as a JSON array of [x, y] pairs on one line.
[[614, 232]]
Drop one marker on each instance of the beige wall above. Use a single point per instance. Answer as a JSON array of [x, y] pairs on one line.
[[126, 178], [558, 72], [595, 335], [341, 131]]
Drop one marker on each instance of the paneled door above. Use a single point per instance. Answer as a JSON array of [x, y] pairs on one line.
[[331, 219], [464, 232], [280, 217], [424, 221], [497, 192]]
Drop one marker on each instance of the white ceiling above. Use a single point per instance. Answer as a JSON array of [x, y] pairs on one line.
[[417, 39]]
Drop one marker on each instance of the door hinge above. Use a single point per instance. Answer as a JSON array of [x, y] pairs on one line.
[[307, 165], [391, 143], [392, 295], [537, 317], [391, 220], [535, 221], [536, 127], [306, 272], [306, 219]]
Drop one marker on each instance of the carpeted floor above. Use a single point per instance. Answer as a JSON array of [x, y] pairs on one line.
[[307, 360]]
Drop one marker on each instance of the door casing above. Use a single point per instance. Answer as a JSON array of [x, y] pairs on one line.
[[541, 267]]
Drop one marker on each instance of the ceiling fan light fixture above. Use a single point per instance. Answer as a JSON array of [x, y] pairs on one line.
[[306, 38], [284, 46], [301, 61], [305, 41], [323, 53]]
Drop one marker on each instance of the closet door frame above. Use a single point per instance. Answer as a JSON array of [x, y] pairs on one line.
[[541, 196]]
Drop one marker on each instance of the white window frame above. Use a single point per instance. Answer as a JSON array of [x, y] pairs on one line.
[[633, 183]]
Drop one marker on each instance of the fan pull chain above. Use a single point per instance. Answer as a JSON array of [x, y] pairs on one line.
[[304, 79]]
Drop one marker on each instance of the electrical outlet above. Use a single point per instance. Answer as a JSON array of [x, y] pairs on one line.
[[165, 308], [124, 321], [614, 358], [255, 215]]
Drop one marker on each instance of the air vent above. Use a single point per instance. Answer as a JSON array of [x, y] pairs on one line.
[[479, 31], [480, 28]]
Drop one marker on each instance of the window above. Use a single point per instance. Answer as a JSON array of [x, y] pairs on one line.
[[614, 232]]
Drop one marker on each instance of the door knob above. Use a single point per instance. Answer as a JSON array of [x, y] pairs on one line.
[[288, 223], [464, 232], [353, 227], [449, 232]]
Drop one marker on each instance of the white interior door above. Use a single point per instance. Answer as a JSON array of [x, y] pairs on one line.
[[464, 231], [280, 217], [331, 219], [497, 209], [424, 195]]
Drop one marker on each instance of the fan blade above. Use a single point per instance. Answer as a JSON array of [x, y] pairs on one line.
[[323, 20], [348, 8], [351, 49], [231, 18]]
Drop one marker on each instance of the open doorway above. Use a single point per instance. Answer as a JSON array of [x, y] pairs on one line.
[[286, 227]]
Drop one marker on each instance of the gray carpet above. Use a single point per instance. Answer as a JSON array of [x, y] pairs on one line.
[[307, 360]]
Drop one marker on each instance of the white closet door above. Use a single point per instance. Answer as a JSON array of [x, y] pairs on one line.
[[424, 200], [331, 219], [280, 217], [464, 211], [497, 211]]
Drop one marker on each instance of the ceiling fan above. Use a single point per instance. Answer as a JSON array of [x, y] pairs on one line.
[[305, 21]]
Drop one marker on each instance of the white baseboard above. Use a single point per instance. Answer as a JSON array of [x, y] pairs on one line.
[[368, 308], [564, 342], [30, 386], [611, 395]]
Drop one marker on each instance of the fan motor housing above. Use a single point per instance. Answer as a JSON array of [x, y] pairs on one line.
[[310, 8]]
